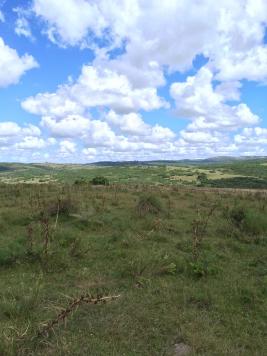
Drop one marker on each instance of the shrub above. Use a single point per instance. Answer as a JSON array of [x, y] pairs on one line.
[[202, 268], [80, 181], [247, 222], [202, 179], [61, 207], [149, 204], [100, 180], [237, 216]]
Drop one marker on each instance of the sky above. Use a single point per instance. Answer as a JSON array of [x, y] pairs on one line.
[[92, 80]]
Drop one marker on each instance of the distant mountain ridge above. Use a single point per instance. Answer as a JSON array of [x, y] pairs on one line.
[[4, 166], [218, 159]]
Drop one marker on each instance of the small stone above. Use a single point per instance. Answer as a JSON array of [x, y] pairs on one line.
[[182, 349]]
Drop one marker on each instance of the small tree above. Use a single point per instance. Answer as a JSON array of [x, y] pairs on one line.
[[202, 178]]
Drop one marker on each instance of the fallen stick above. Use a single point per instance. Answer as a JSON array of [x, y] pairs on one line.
[[87, 299]]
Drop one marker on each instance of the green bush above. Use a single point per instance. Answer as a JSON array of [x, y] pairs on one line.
[[100, 180], [202, 179], [248, 222]]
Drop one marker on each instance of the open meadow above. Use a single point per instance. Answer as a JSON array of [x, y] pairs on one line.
[[130, 268]]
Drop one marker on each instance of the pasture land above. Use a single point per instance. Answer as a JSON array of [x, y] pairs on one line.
[[186, 266]]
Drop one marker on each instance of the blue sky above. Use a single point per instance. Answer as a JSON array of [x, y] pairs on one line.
[[87, 80]]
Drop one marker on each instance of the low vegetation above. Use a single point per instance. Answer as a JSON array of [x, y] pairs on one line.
[[131, 269]]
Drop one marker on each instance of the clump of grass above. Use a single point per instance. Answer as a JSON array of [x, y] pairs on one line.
[[136, 268], [149, 204], [202, 268], [77, 249], [169, 268], [21, 303], [11, 252], [200, 300], [248, 225], [255, 223]]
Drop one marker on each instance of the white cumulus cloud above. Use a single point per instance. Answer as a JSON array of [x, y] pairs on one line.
[[207, 108], [95, 87], [12, 66]]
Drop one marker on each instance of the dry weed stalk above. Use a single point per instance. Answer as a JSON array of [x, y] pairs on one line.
[[169, 206], [199, 229], [157, 225], [62, 316], [58, 207], [46, 234], [103, 200], [115, 192], [30, 237], [11, 334]]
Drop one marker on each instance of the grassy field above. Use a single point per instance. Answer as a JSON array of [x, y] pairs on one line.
[[186, 266]]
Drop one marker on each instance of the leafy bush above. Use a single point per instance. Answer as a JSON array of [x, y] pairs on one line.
[[100, 180]]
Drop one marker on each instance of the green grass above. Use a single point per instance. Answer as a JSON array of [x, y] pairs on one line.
[[102, 245]]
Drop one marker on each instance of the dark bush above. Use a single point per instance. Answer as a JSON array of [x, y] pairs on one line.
[[99, 180], [237, 216], [80, 181], [61, 207]]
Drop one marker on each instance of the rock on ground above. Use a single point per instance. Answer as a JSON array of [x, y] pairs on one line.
[[181, 349]]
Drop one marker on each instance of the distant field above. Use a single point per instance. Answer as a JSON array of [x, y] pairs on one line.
[[235, 174]]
